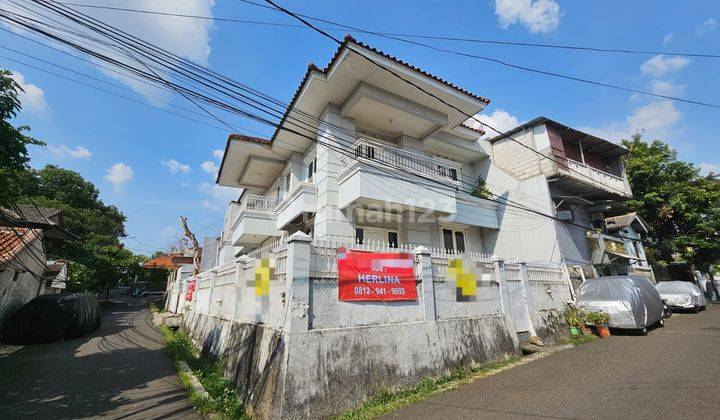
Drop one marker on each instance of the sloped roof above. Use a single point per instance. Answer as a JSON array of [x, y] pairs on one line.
[[39, 214], [623, 221], [346, 42], [14, 240], [169, 261], [45, 218]]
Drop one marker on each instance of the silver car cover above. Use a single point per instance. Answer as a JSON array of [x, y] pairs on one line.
[[631, 301], [682, 294]]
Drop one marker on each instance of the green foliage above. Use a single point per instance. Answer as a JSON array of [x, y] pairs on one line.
[[223, 397], [580, 339], [14, 157], [681, 206], [575, 317], [480, 190], [597, 318], [386, 401]]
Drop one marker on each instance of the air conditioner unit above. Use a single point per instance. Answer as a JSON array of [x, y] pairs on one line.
[[566, 215]]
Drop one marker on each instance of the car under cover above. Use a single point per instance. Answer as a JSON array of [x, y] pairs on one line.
[[681, 294], [631, 301]]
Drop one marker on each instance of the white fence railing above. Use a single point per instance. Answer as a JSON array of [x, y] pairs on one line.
[[374, 151], [258, 202], [608, 180], [231, 291]]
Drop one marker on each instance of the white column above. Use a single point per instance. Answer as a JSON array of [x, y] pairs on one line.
[[502, 284], [213, 275], [527, 291], [330, 222], [297, 283], [428, 286]]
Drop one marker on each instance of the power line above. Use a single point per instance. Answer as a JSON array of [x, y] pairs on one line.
[[310, 138], [398, 34]]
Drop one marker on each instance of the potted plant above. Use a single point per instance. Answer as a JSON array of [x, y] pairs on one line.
[[599, 322], [576, 319]]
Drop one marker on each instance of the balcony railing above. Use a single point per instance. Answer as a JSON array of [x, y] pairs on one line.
[[395, 158], [258, 202], [607, 180]]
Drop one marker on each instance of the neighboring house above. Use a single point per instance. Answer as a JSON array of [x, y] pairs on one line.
[[56, 276], [587, 182], [385, 164], [180, 268], [209, 256], [633, 230], [22, 264]]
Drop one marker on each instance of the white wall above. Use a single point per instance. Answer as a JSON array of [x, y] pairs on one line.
[[17, 291]]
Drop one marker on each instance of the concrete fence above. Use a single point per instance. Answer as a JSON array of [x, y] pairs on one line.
[[293, 349]]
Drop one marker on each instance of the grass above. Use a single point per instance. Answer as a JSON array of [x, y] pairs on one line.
[[154, 307], [387, 401], [580, 339], [223, 399]]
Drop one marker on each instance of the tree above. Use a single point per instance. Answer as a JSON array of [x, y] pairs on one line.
[[14, 157], [195, 244], [681, 206]]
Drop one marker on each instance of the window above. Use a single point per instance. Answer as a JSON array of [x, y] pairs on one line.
[[393, 239], [453, 241], [453, 174], [311, 169], [287, 183], [359, 236], [459, 242], [448, 240], [365, 151]]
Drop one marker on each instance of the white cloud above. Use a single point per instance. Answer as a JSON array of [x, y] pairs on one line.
[[218, 192], [188, 38], [663, 87], [500, 120], [655, 120], [174, 166], [32, 98], [210, 167], [539, 16], [184, 185], [706, 27], [218, 153], [61, 151], [654, 117], [206, 204], [660, 65], [119, 173], [707, 168], [668, 38]]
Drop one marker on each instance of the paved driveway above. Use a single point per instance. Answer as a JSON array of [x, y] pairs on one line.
[[674, 372], [119, 371]]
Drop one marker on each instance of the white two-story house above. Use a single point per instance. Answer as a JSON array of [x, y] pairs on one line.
[[588, 185], [361, 156]]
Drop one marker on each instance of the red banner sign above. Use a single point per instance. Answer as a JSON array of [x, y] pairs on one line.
[[190, 290], [375, 276]]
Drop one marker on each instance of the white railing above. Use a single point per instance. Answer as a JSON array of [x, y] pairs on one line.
[[392, 157], [607, 180], [258, 202], [273, 245]]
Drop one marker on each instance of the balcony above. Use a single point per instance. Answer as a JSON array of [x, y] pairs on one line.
[[255, 222], [376, 174], [591, 182], [259, 217]]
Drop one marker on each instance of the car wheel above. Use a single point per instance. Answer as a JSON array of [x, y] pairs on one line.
[[643, 331]]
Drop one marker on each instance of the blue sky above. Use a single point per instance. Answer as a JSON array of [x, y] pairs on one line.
[[156, 166]]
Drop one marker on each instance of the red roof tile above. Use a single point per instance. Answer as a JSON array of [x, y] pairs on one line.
[[168, 262], [14, 240]]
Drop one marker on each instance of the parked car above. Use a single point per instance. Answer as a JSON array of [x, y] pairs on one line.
[[631, 301], [681, 295]]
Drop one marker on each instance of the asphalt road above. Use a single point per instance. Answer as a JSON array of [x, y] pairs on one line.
[[674, 372], [119, 371]]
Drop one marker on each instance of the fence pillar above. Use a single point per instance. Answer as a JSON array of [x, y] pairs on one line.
[[527, 291], [239, 271], [297, 283], [213, 276], [428, 285], [501, 277]]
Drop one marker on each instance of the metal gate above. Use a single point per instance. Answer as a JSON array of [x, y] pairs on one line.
[[517, 299]]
